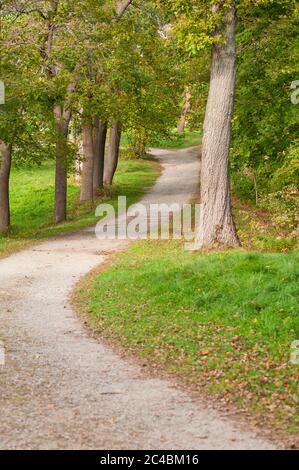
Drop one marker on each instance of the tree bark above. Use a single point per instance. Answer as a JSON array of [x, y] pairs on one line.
[[216, 225], [139, 145], [5, 155], [113, 153], [88, 162], [62, 128], [121, 7], [185, 111], [62, 115], [140, 151], [100, 133]]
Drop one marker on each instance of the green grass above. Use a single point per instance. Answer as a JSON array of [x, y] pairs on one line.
[[225, 321], [32, 199], [181, 141], [174, 141]]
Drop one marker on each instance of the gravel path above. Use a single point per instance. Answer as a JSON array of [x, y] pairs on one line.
[[61, 389]]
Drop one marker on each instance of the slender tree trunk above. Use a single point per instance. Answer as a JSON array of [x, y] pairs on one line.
[[185, 111], [61, 174], [62, 126], [113, 153], [140, 148], [255, 188], [96, 155], [100, 133], [139, 145], [88, 155], [5, 160], [63, 115], [103, 138], [216, 224]]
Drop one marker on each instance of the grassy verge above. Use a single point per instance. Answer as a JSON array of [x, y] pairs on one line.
[[224, 321], [32, 196], [257, 230], [181, 141], [173, 141]]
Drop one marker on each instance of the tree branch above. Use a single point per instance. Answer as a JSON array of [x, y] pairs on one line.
[[121, 8]]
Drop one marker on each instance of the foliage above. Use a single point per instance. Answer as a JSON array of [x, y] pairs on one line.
[[20, 116], [266, 122], [129, 73]]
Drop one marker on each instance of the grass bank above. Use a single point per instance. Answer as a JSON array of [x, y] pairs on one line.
[[32, 199], [181, 141], [223, 321]]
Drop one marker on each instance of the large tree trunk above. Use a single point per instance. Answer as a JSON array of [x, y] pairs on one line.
[[185, 111], [113, 153], [216, 224], [88, 155], [99, 141], [62, 126], [5, 159]]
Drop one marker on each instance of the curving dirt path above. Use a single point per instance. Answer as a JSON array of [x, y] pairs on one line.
[[61, 389]]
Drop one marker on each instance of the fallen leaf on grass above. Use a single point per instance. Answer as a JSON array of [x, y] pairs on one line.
[[204, 352]]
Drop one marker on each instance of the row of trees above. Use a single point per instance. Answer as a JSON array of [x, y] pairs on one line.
[[75, 69]]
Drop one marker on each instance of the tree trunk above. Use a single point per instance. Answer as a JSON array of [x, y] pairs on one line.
[[88, 155], [62, 115], [100, 133], [139, 146], [216, 225], [113, 153], [5, 155], [62, 126], [185, 111], [121, 7]]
